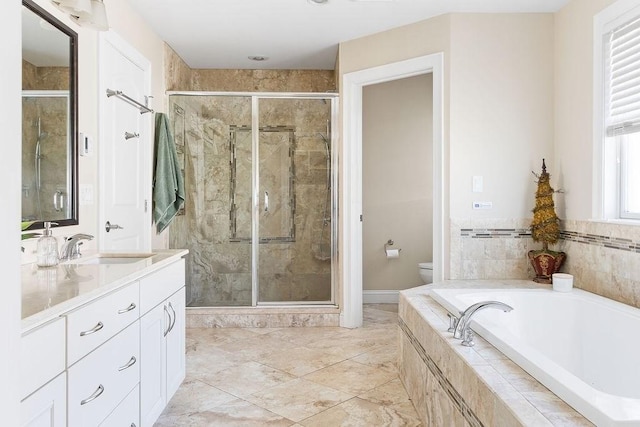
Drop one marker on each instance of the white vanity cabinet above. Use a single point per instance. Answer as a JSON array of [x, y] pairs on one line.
[[43, 380], [162, 344], [111, 359], [127, 414], [102, 379], [47, 407], [94, 323]]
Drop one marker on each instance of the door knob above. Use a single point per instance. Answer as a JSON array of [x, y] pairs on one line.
[[108, 226]]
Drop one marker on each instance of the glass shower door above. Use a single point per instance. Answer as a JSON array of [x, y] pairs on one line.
[[294, 201], [214, 146]]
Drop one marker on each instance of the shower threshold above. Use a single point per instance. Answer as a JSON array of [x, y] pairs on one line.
[[264, 316]]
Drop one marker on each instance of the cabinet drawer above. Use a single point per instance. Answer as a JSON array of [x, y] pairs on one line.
[[156, 287], [94, 323], [127, 413], [102, 379], [36, 370]]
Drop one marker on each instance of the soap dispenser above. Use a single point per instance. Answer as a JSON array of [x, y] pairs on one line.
[[47, 247]]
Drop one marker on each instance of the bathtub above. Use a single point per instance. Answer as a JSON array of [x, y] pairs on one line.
[[583, 347]]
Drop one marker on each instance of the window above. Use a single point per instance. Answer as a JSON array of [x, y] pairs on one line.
[[620, 112]]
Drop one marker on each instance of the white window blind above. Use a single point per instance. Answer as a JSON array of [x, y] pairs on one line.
[[623, 79]]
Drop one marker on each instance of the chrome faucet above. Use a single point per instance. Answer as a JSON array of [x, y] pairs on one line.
[[460, 327], [71, 246]]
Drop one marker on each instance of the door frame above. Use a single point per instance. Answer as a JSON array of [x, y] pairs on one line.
[[351, 174], [129, 52]]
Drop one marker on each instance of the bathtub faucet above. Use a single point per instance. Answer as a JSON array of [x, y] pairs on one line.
[[460, 327]]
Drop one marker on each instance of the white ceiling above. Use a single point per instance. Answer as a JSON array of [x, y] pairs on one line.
[[293, 34]]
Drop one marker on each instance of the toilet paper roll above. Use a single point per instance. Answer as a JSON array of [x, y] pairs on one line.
[[393, 253]]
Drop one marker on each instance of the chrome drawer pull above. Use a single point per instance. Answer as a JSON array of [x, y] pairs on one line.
[[168, 327], [173, 323], [95, 395], [93, 330], [129, 364], [132, 306]]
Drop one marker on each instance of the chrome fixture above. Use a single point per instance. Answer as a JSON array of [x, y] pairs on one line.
[[108, 227], [130, 135], [126, 98], [71, 246], [258, 58], [390, 242], [460, 327]]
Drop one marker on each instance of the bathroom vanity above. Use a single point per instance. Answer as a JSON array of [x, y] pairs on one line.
[[103, 339]]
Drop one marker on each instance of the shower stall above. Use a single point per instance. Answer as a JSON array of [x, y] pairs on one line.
[[46, 179], [260, 214]]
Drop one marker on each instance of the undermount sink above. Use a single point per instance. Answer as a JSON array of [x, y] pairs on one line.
[[112, 258]]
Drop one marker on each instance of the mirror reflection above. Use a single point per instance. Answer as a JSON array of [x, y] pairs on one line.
[[48, 118]]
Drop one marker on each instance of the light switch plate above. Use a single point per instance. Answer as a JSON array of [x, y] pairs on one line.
[[85, 144], [477, 184], [86, 194]]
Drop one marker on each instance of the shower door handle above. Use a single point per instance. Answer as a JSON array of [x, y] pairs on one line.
[[58, 200], [266, 201]]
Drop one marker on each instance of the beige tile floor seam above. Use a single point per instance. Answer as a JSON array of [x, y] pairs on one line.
[[300, 377]]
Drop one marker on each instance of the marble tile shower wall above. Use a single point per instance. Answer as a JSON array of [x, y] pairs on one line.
[[604, 258], [179, 76], [219, 270]]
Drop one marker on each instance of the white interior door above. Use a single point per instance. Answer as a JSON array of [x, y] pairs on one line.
[[125, 148]]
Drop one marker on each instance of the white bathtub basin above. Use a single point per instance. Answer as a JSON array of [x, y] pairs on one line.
[[583, 347]]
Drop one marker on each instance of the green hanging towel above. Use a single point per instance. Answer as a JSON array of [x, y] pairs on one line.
[[168, 184]]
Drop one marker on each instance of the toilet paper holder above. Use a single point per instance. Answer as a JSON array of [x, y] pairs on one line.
[[389, 243]]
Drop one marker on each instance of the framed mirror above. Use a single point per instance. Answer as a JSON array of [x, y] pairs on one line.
[[49, 119]]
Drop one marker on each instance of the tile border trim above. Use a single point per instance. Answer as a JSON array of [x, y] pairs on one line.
[[495, 233], [599, 240], [619, 243], [455, 397]]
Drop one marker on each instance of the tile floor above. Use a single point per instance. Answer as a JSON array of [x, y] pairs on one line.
[[294, 377]]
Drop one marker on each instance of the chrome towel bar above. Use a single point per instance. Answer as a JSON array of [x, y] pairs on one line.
[[119, 94]]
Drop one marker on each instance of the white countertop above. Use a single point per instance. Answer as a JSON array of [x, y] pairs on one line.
[[49, 292]]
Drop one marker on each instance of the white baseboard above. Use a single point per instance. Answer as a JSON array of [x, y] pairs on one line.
[[380, 297]]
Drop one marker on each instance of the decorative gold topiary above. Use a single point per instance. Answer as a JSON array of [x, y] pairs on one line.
[[545, 226]]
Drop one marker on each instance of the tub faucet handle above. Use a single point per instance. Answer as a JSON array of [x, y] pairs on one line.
[[453, 322], [468, 338]]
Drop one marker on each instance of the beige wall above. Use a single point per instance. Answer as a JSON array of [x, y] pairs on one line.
[[397, 180], [501, 115], [595, 257], [573, 88], [124, 21], [520, 89], [419, 39], [498, 110]]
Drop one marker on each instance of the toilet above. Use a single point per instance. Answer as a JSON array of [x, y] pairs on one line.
[[426, 272]]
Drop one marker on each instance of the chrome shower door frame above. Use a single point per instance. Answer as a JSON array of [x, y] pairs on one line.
[[256, 192]]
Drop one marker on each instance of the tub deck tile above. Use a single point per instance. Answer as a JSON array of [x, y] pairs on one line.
[[495, 390]]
